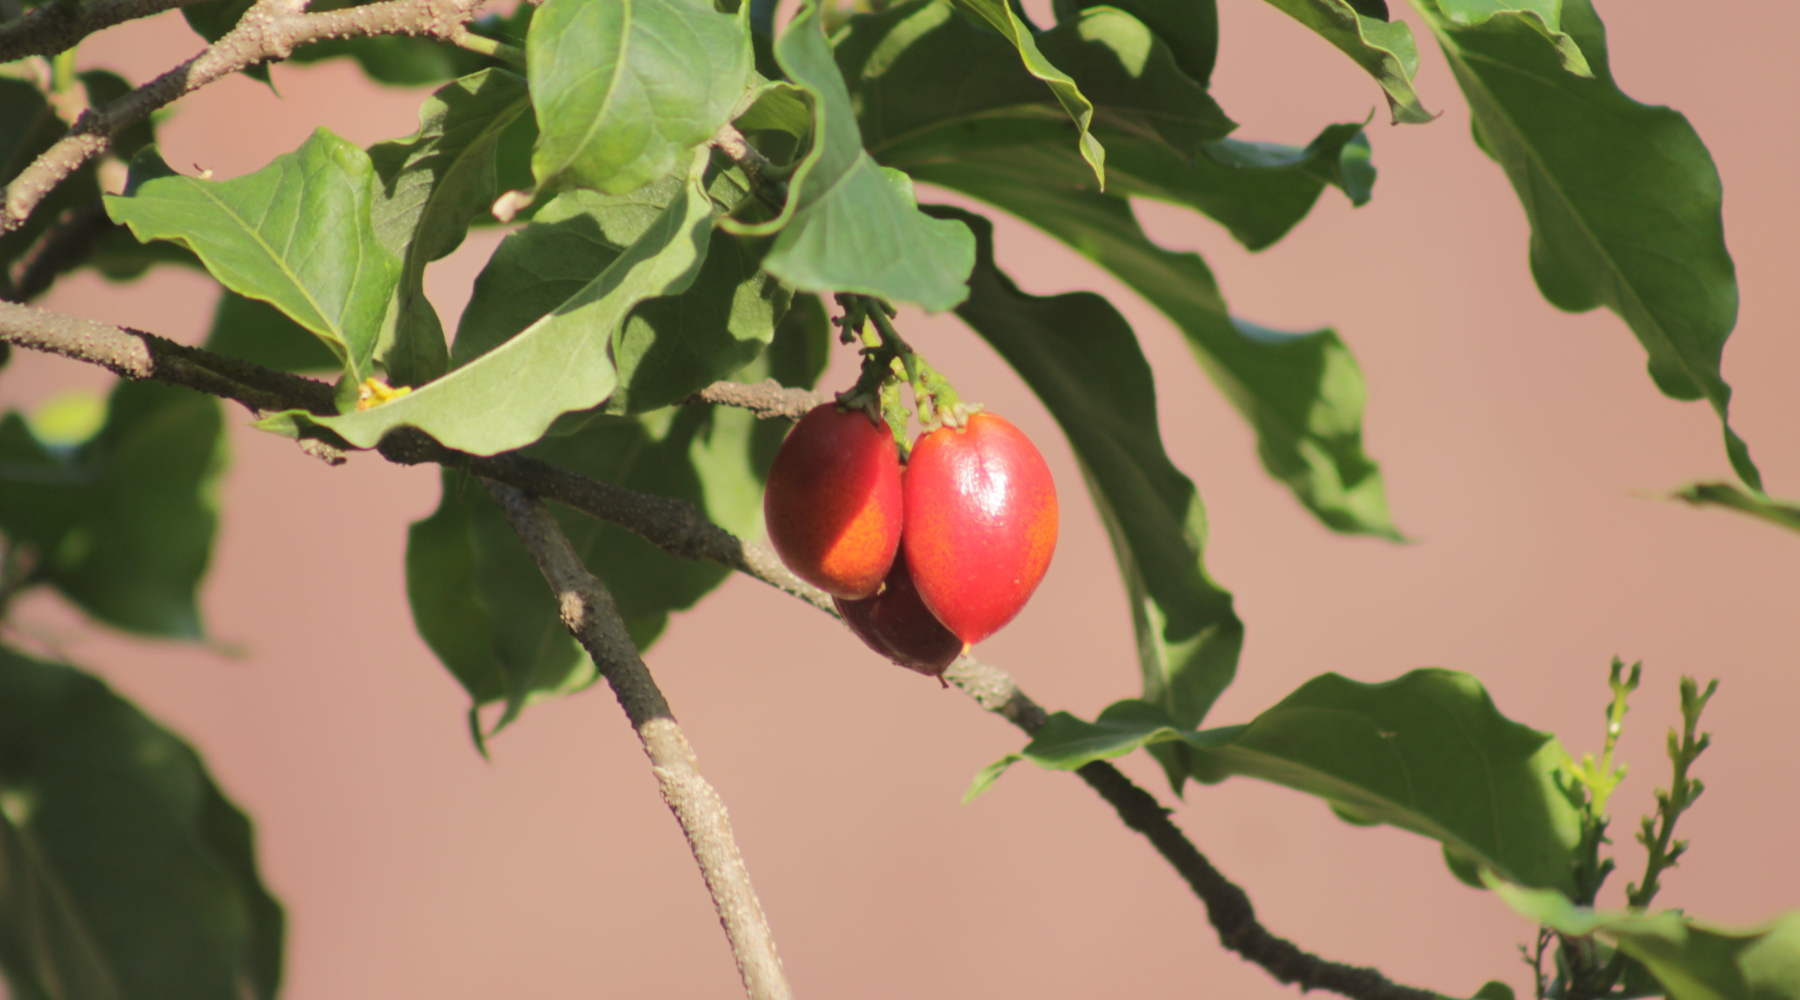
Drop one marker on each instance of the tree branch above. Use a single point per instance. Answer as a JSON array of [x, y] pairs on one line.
[[767, 399], [592, 617], [270, 30], [58, 26], [680, 529]]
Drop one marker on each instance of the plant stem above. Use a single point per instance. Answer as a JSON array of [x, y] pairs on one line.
[[1657, 834], [592, 617], [493, 48]]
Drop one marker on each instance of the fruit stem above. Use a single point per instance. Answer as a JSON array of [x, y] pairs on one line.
[[887, 360]]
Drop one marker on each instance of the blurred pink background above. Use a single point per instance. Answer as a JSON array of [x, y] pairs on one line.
[[1525, 450]]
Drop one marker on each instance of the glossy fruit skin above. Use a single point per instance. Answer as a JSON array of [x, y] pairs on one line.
[[833, 502], [980, 523], [898, 625]]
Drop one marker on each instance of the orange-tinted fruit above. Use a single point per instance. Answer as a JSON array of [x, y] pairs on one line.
[[832, 503], [980, 523], [896, 624]]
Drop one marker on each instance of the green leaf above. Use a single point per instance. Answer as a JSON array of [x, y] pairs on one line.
[[296, 233], [1134, 81], [1302, 393], [625, 88], [1785, 513], [849, 225], [669, 347], [1427, 753], [933, 91], [481, 604], [432, 185], [507, 397], [1190, 29], [1384, 49], [123, 525], [1541, 16], [937, 85], [257, 332], [1082, 360], [1692, 960], [1623, 198], [128, 873], [1004, 18]]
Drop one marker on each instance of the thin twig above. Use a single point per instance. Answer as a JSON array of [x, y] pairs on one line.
[[592, 617], [680, 529], [269, 31], [63, 248]]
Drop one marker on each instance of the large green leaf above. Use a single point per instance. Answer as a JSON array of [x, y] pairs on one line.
[[932, 90], [257, 332], [850, 225], [1428, 752], [1190, 28], [507, 397], [1082, 360], [625, 88], [296, 233], [1384, 49], [1785, 513], [1302, 393], [1004, 18], [669, 347], [1692, 960], [126, 872], [432, 186], [123, 523], [925, 79], [1623, 198], [481, 604]]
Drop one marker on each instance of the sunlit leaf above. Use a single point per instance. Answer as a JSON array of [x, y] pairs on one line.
[[1428, 752], [296, 233], [1384, 49], [1623, 198], [508, 396], [1781, 512], [432, 185], [625, 88], [669, 347], [850, 225]]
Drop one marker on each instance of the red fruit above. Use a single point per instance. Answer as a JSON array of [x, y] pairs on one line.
[[896, 624], [833, 501], [980, 523]]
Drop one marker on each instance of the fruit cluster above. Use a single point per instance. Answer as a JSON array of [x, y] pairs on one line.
[[922, 559]]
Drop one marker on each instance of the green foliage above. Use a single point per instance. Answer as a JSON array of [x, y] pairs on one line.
[[296, 233], [507, 397], [1079, 356], [850, 225], [1190, 28], [127, 872], [432, 186], [1004, 18], [1785, 513], [481, 604], [624, 89], [121, 523], [1428, 752], [1383, 48], [668, 347], [1623, 198], [1690, 960]]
